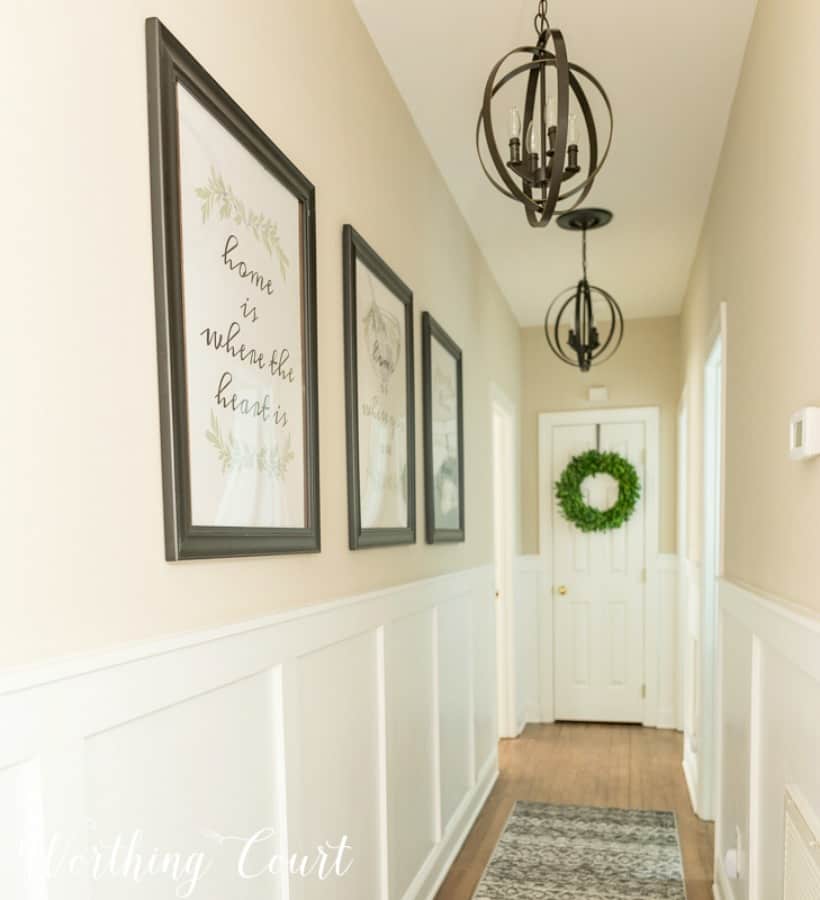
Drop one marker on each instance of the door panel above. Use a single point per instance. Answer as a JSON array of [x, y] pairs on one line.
[[599, 620]]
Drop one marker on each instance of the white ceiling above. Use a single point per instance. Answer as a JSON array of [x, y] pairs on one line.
[[670, 68]]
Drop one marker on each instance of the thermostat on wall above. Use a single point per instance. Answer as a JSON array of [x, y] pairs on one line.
[[804, 434]]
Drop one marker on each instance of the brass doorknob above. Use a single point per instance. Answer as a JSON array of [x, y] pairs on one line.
[[562, 590]]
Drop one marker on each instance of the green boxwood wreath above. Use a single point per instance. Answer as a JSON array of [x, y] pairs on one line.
[[571, 502]]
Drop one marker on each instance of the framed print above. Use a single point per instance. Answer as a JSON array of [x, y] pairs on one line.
[[443, 434], [234, 268], [379, 399]]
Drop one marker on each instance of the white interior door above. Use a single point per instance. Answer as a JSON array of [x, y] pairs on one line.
[[599, 584]]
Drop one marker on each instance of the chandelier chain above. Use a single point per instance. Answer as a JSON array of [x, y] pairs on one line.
[[541, 22], [584, 253]]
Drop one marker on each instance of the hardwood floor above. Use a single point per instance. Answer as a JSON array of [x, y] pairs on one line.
[[589, 765]]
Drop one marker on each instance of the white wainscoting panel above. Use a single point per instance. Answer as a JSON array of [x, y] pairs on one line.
[[333, 718], [485, 699], [769, 732], [207, 763], [456, 733], [529, 579], [21, 823], [801, 860], [690, 589], [368, 722], [413, 823], [733, 806], [668, 715]]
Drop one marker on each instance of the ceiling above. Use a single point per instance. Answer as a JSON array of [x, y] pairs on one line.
[[670, 69]]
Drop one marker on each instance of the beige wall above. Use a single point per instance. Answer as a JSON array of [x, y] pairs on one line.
[[82, 521], [644, 372], [759, 253]]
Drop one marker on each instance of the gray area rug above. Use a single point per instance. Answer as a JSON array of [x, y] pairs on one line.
[[585, 853]]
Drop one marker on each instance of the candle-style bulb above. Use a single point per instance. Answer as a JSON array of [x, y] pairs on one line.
[[532, 139], [572, 131], [552, 117], [515, 124]]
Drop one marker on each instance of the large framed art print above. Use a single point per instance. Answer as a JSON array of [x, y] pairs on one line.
[[379, 372], [234, 269], [443, 404]]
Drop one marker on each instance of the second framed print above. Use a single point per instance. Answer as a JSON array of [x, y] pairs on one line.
[[443, 434], [379, 399]]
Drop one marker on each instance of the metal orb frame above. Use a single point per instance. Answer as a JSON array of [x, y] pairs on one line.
[[538, 173], [584, 339]]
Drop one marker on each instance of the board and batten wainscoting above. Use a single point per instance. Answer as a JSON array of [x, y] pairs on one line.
[[768, 736], [666, 623], [529, 593], [371, 718], [689, 587], [533, 629]]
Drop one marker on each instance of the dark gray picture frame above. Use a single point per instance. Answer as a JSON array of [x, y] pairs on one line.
[[169, 64], [431, 330], [355, 247]]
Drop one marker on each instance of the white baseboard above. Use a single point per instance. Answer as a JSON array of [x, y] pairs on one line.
[[530, 714], [438, 864], [720, 887], [690, 776], [528, 596], [666, 642], [667, 718]]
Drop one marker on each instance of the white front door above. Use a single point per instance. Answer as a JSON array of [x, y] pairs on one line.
[[599, 588]]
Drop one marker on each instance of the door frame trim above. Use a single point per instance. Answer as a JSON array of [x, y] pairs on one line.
[[506, 725], [682, 485], [649, 416], [713, 492]]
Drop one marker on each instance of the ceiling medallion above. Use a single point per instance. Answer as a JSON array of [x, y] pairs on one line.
[[535, 174], [575, 338]]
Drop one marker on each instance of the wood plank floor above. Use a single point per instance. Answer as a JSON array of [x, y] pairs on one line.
[[589, 765]]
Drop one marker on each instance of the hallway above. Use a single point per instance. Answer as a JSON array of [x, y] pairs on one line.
[[593, 765], [387, 381]]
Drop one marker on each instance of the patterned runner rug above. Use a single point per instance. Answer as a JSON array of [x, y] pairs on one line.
[[585, 853]]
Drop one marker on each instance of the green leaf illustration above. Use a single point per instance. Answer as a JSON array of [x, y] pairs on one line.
[[236, 455], [218, 194]]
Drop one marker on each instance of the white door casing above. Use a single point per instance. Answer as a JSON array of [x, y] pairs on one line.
[[599, 640], [683, 674], [708, 710], [505, 450], [689, 612]]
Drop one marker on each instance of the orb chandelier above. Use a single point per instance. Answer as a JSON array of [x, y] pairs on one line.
[[535, 174], [572, 332]]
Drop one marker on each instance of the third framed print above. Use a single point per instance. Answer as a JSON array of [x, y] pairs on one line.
[[443, 434]]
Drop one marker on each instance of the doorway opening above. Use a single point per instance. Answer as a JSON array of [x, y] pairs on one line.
[[502, 414], [688, 613], [684, 637], [713, 436]]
